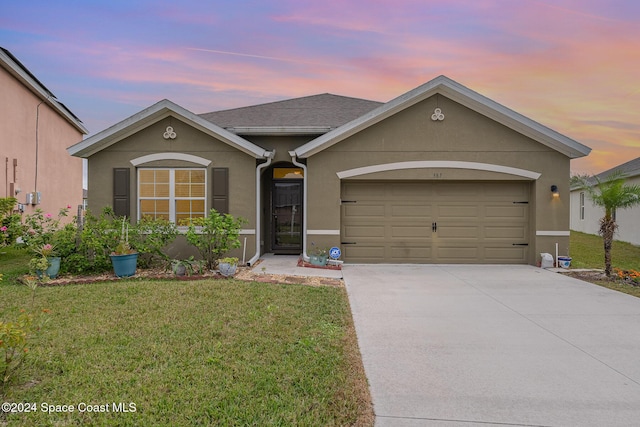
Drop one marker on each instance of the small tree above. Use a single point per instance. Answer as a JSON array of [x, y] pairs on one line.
[[214, 235], [611, 193]]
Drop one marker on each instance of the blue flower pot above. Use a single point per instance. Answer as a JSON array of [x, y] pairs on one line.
[[124, 265], [54, 267], [52, 271]]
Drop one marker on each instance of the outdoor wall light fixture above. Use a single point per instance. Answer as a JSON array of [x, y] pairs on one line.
[[554, 191]]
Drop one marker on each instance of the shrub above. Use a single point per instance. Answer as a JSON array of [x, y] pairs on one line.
[[93, 244], [41, 228], [214, 235], [10, 223], [151, 237]]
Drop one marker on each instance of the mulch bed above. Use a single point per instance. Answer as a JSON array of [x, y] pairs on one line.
[[244, 273]]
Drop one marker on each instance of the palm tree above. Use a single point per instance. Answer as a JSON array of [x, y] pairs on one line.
[[611, 193]]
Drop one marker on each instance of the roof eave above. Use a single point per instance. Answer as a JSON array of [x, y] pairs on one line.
[[153, 114]]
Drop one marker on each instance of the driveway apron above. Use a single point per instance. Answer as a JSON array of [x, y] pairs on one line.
[[462, 345]]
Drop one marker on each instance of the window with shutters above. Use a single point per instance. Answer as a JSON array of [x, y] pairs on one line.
[[172, 194]]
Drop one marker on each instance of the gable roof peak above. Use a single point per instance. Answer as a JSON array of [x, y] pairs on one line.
[[153, 114], [461, 94]]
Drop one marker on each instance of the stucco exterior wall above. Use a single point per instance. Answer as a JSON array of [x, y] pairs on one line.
[[55, 174], [628, 219], [242, 191], [463, 136]]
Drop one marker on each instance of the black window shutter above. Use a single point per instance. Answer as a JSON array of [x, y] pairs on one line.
[[220, 189], [121, 191]]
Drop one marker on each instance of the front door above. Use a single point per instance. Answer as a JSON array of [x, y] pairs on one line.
[[286, 216]]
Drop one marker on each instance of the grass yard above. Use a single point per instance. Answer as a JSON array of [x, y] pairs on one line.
[[215, 352], [587, 252], [13, 263]]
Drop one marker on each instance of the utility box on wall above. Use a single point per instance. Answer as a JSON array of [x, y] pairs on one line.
[[33, 198]]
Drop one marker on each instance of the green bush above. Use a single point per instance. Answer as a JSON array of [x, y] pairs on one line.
[[94, 243], [214, 235], [151, 237], [10, 224], [89, 249]]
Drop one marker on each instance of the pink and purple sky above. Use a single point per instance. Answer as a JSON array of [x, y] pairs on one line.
[[572, 65]]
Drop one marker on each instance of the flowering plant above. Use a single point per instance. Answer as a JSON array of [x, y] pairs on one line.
[[46, 250], [42, 227], [630, 276], [5, 235]]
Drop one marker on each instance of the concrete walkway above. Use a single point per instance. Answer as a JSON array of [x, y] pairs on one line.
[[288, 265], [495, 346]]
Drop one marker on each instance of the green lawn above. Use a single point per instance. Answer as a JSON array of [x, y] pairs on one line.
[[13, 263], [587, 252], [214, 352]]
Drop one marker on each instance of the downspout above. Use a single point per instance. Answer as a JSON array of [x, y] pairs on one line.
[[269, 156], [294, 160]]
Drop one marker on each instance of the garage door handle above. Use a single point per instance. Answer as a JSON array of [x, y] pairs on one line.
[[519, 244], [434, 226]]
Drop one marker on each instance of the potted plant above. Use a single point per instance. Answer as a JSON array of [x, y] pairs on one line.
[[319, 256], [124, 258], [186, 267], [47, 263], [181, 267], [228, 266]]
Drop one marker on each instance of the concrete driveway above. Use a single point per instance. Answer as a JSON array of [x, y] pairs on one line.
[[464, 345]]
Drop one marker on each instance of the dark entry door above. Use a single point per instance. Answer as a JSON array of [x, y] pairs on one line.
[[286, 216]]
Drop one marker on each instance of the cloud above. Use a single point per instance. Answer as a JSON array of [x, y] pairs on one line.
[[247, 55]]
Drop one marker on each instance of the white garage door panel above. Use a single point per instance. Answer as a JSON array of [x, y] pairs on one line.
[[435, 222]]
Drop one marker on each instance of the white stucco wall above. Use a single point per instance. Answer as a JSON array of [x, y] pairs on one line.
[[628, 219]]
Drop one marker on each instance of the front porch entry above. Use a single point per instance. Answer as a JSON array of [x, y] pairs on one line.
[[282, 209]]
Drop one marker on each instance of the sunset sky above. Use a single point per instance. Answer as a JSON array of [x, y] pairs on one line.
[[572, 65]]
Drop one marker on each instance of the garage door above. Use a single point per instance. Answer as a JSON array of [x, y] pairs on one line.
[[443, 222]]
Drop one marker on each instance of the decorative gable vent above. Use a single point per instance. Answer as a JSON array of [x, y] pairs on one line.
[[169, 133], [437, 115]]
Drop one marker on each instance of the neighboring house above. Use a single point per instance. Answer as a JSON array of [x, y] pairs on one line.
[[35, 131], [585, 216], [440, 174]]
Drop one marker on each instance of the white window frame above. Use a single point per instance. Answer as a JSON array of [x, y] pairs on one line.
[[172, 197], [582, 206]]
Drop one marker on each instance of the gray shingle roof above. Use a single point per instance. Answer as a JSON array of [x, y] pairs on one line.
[[630, 169], [322, 111]]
